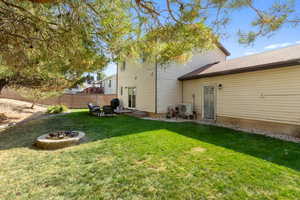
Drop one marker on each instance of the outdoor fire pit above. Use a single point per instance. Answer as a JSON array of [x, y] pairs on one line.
[[59, 139]]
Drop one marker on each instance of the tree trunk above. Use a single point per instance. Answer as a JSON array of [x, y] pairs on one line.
[[3, 117], [32, 105], [3, 83]]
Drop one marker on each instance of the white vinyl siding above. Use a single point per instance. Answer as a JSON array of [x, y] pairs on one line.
[[268, 95], [169, 88], [142, 77]]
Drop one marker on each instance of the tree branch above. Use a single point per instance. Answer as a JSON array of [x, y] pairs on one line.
[[171, 12], [142, 4]]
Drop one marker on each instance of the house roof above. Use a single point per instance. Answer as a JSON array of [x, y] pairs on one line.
[[284, 57]]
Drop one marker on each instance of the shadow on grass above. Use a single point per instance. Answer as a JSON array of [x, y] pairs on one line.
[[272, 150]]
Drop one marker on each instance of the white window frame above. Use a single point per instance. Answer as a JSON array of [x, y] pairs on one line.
[[131, 99]]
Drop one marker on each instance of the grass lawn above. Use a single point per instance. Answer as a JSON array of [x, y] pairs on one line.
[[129, 158]]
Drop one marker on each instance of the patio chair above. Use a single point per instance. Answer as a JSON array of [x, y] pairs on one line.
[[94, 110], [108, 110]]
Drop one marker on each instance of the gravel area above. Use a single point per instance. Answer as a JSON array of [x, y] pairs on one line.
[[17, 111]]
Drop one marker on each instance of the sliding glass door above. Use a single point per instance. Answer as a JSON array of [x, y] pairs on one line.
[[131, 97]]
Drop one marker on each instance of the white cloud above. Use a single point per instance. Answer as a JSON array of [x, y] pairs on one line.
[[250, 53], [274, 46], [297, 42], [285, 44]]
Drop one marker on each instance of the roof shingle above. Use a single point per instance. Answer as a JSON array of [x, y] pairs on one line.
[[277, 58]]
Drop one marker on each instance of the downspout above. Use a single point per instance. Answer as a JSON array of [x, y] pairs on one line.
[[155, 82], [117, 80], [181, 91]]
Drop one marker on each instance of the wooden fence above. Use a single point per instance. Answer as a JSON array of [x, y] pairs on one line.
[[71, 100]]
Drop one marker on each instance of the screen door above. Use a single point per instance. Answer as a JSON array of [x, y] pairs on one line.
[[209, 102]]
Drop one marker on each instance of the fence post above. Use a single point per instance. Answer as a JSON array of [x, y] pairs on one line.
[[72, 99], [97, 100]]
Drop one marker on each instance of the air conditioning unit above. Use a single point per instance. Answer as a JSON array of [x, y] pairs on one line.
[[185, 110]]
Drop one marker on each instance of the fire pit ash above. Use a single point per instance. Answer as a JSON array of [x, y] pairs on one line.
[[62, 134]]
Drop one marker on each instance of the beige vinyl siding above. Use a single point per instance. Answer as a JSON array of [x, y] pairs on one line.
[[169, 88], [268, 95], [141, 76]]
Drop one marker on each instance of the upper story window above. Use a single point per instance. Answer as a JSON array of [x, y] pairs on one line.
[[121, 91], [123, 66], [142, 58]]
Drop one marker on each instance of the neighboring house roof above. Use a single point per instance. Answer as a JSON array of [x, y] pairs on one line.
[[109, 77], [97, 82], [284, 57]]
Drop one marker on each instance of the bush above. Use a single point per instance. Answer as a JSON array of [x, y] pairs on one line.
[[57, 109]]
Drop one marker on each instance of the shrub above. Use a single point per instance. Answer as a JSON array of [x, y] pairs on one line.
[[57, 109]]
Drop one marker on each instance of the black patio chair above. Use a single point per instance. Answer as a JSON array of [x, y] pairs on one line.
[[95, 110], [108, 110]]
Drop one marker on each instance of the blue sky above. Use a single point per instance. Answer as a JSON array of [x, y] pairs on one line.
[[110, 69], [241, 19]]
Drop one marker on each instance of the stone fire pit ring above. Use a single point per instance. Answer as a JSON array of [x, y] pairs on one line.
[[43, 142]]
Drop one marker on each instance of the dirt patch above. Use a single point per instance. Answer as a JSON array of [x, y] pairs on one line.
[[152, 166], [17, 111], [198, 149], [106, 159], [141, 162], [159, 168]]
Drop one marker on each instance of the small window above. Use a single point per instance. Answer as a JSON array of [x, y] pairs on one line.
[[121, 91], [123, 66], [109, 83], [142, 58]]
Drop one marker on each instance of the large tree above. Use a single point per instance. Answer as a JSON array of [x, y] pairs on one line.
[[42, 46], [265, 17], [64, 38]]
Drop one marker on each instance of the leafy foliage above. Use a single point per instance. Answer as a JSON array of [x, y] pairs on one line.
[[36, 94], [42, 48], [49, 41], [57, 109], [100, 75], [268, 16]]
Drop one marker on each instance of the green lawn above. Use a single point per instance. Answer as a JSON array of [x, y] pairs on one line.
[[129, 158]]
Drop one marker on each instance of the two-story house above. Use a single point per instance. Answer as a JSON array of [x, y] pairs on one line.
[[152, 88]]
